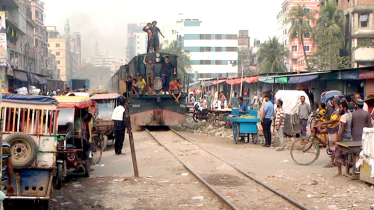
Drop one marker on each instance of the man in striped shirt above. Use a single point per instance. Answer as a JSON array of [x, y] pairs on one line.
[[279, 124]]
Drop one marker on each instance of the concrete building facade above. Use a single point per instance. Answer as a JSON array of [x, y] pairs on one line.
[[296, 61], [358, 31], [213, 52], [135, 40], [59, 46]]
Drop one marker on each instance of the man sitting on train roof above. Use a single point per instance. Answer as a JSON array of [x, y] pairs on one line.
[[166, 70], [175, 90]]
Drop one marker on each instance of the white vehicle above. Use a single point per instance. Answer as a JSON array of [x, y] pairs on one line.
[[291, 103]]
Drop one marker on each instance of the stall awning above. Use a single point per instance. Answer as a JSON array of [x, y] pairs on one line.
[[302, 79], [235, 81], [193, 84], [251, 79], [208, 83], [20, 75], [35, 79], [219, 81], [272, 80]]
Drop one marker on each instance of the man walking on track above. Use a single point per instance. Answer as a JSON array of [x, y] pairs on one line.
[[266, 120], [119, 119]]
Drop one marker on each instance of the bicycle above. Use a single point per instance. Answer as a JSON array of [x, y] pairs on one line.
[[308, 149]]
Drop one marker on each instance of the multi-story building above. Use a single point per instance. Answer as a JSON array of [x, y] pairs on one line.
[[213, 51], [52, 71], [76, 52], [136, 40], [254, 50], [59, 46], [296, 61], [40, 36], [172, 31], [358, 30]]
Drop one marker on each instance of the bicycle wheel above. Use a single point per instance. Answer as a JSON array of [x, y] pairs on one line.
[[97, 149], [304, 151]]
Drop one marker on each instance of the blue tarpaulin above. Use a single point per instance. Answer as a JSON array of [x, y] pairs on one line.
[[301, 79], [29, 98], [328, 95]]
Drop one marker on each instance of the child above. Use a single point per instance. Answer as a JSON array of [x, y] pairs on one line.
[[322, 113], [175, 90], [150, 73], [134, 86], [141, 84]]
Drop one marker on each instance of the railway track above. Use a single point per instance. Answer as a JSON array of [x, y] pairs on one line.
[[228, 182]]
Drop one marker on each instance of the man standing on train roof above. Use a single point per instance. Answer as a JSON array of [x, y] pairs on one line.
[[119, 119], [148, 30], [155, 40], [166, 70]]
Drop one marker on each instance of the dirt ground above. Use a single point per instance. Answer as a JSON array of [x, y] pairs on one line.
[[165, 184]]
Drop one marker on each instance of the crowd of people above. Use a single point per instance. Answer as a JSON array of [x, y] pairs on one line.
[[342, 119]]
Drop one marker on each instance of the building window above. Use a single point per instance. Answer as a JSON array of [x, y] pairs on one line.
[[307, 35], [57, 44], [294, 48], [201, 62], [218, 62], [208, 49], [201, 49], [231, 36], [207, 36], [58, 62], [57, 53], [201, 36], [218, 36], [307, 48], [364, 20], [294, 60], [49, 45], [231, 49], [207, 62], [218, 49]]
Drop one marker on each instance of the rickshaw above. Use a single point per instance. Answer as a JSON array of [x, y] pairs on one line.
[[29, 125], [105, 105], [77, 147]]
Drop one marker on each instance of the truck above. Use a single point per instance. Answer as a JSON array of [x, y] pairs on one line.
[[79, 84]]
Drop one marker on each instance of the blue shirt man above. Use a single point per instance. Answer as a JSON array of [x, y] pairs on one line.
[[269, 108], [266, 120], [243, 108]]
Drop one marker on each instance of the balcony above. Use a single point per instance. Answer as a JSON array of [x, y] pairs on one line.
[[364, 54]]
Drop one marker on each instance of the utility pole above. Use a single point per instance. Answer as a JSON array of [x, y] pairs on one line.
[[131, 139]]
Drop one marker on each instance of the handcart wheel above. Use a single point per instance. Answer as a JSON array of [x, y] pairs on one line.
[[59, 176], [236, 132]]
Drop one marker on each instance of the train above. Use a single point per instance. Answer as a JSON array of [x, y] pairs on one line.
[[152, 109]]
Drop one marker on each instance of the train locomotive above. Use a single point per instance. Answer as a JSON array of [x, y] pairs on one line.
[[156, 109]]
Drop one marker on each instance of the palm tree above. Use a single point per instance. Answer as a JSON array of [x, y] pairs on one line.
[[271, 55], [329, 36], [183, 57], [300, 18]]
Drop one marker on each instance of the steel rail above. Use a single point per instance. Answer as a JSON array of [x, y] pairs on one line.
[[279, 193], [202, 180]]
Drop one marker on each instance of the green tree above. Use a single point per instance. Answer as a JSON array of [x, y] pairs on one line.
[[300, 18], [329, 37], [183, 57], [270, 57]]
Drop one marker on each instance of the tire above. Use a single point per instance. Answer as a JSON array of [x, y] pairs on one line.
[[58, 177], [105, 142], [97, 150], [304, 149], [194, 117], [235, 129], [23, 150], [87, 167]]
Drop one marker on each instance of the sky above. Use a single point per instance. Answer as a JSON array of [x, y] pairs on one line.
[[105, 21]]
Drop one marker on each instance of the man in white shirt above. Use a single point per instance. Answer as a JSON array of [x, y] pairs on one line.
[[255, 102]]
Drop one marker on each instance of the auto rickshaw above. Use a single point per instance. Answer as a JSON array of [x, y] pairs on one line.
[[105, 105], [29, 125], [76, 144]]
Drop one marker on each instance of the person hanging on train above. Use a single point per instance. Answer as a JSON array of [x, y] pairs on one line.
[[150, 73], [167, 69], [175, 90]]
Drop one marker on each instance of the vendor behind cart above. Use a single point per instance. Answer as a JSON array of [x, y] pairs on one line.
[[243, 108]]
